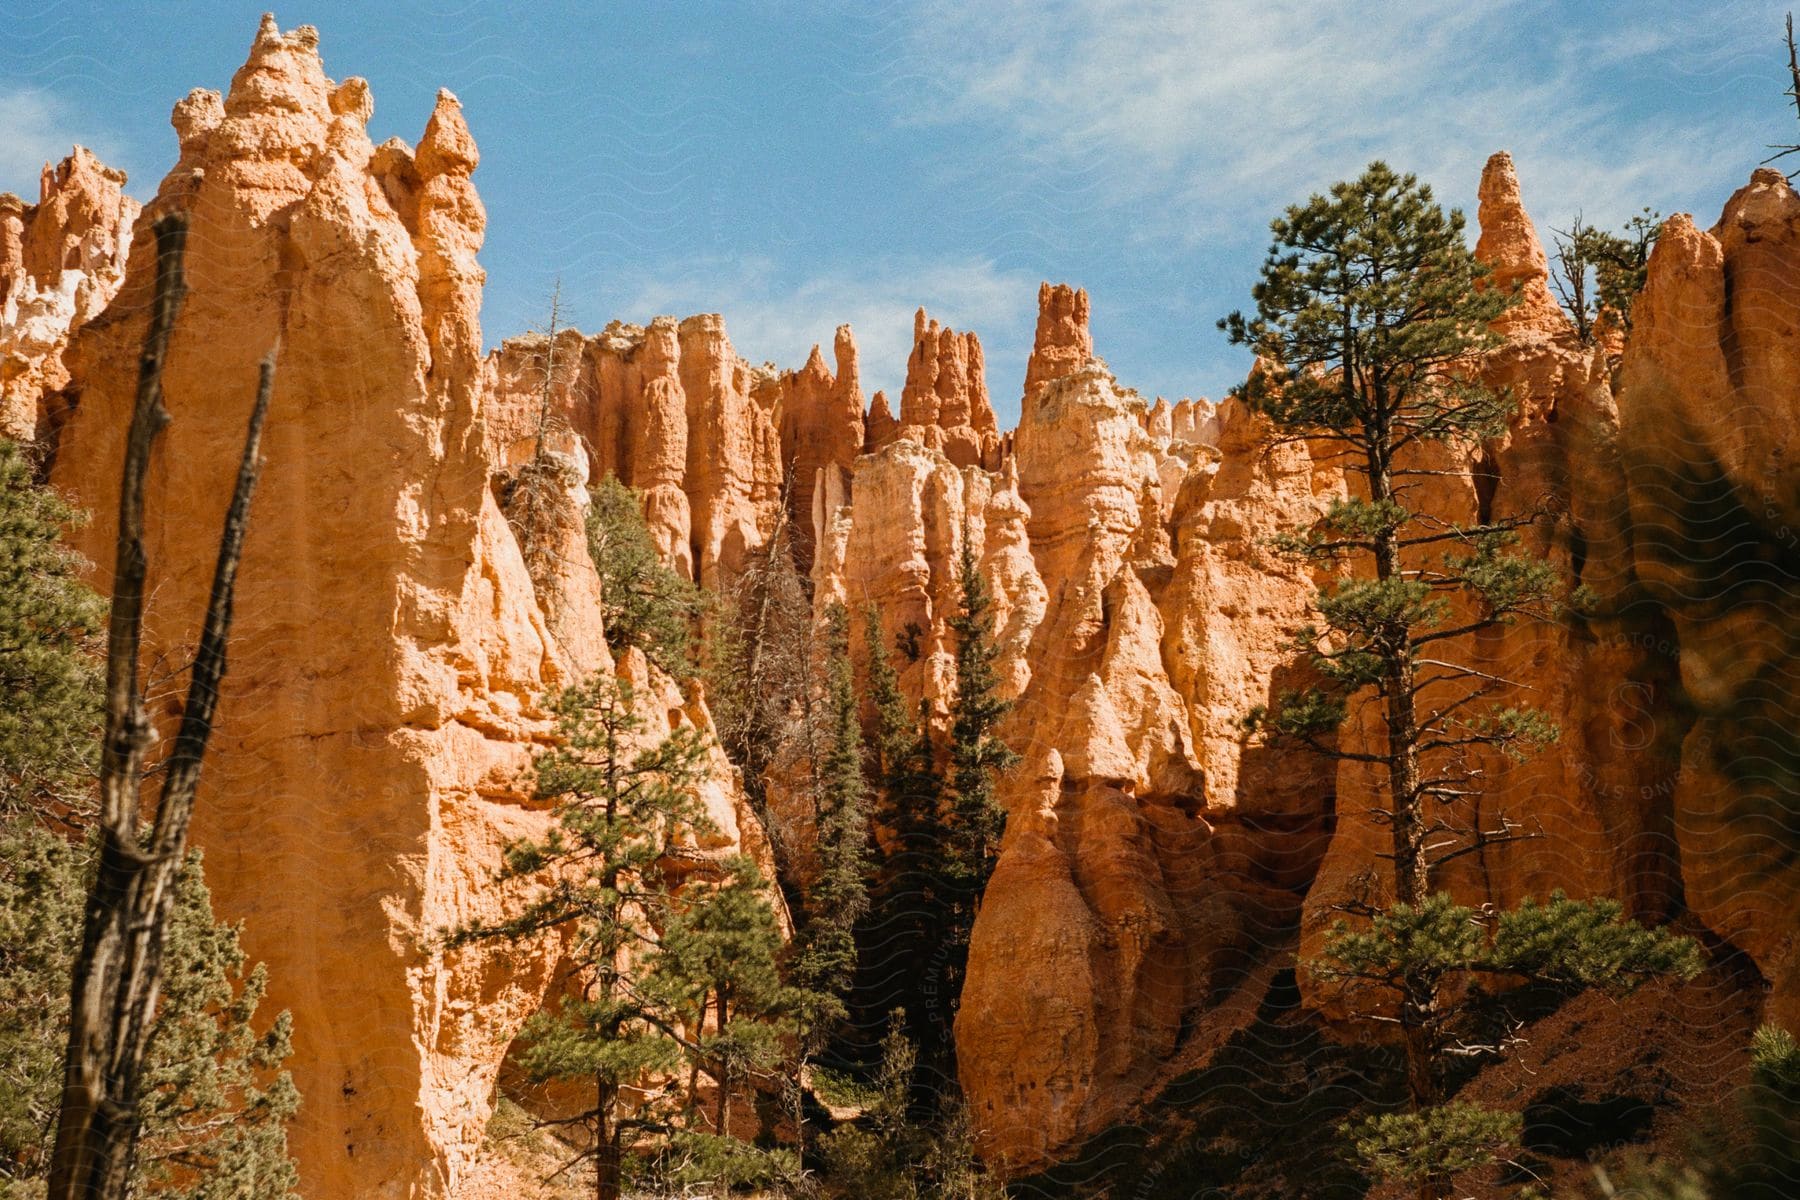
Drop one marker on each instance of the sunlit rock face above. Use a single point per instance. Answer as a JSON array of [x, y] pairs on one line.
[[407, 599], [1138, 615], [670, 409], [392, 643], [61, 262]]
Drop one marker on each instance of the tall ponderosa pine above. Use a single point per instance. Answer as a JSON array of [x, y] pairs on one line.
[[622, 805], [1371, 315]]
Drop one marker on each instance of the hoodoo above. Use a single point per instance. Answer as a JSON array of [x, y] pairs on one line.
[[419, 579]]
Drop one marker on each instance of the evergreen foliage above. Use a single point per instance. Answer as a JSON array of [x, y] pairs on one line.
[[973, 820], [676, 957], [717, 967], [940, 831], [825, 964], [49, 676], [622, 805], [216, 1102], [900, 936], [1599, 272], [890, 1155], [1749, 1151], [1371, 315], [644, 603]]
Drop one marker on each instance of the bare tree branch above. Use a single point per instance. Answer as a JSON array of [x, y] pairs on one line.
[[118, 974]]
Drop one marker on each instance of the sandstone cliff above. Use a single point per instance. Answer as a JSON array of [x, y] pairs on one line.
[[416, 579], [1710, 408], [61, 261], [392, 643], [673, 411]]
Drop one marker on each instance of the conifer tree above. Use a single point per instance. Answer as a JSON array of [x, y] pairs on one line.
[[974, 820], [905, 923], [215, 1102], [1749, 1149], [644, 603], [718, 964], [49, 675], [890, 1154], [1598, 272], [838, 900], [623, 804], [1371, 313]]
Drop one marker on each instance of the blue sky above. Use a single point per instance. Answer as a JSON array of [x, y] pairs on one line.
[[794, 165]]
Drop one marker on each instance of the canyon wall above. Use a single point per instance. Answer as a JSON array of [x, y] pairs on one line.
[[392, 645], [402, 611], [61, 262], [1710, 451]]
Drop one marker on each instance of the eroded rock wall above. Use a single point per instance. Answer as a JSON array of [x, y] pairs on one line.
[[61, 262], [1710, 430], [392, 644], [671, 410]]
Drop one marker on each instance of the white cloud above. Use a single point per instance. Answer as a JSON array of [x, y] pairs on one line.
[[35, 128], [774, 318], [1201, 112]]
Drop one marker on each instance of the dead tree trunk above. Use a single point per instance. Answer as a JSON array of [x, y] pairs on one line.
[[118, 975]]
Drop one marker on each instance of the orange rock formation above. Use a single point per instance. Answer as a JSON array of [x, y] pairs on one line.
[[61, 262], [416, 579], [392, 644]]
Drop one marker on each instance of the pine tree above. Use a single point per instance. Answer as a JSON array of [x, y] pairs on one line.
[[1370, 313], [903, 931], [890, 1155], [216, 1102], [718, 964], [49, 676], [1598, 272], [623, 804], [838, 900], [974, 820], [644, 603], [1748, 1150]]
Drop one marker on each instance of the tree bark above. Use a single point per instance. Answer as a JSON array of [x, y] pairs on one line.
[[608, 1154], [117, 977]]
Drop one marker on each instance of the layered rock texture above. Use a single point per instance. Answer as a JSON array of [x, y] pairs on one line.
[[61, 261], [1155, 853], [416, 580], [392, 642], [1710, 428]]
